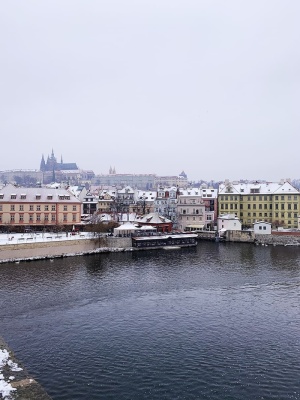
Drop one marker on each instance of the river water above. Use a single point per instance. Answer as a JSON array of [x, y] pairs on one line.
[[219, 321]]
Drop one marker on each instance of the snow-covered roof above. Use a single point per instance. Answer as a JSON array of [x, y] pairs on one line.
[[228, 216], [32, 195], [153, 218], [260, 188]]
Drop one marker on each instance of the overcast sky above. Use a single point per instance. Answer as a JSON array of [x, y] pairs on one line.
[[152, 86]]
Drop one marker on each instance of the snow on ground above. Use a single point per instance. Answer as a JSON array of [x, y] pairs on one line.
[[15, 238], [5, 387]]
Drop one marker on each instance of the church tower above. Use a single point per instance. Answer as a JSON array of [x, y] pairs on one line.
[[43, 164]]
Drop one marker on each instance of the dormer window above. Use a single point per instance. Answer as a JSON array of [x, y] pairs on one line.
[[49, 197], [38, 197], [23, 196], [13, 196]]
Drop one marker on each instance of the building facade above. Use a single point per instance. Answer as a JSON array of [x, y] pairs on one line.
[[276, 203], [38, 207]]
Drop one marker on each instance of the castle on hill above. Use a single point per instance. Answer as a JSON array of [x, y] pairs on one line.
[[53, 165]]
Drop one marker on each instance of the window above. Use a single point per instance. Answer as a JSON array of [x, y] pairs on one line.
[[254, 206], [23, 196], [249, 206], [1, 207], [12, 207], [260, 206], [21, 207], [259, 228], [21, 218], [282, 206], [38, 208], [265, 206], [289, 206], [52, 217], [276, 197], [13, 196], [276, 206], [289, 197], [295, 215], [12, 217], [264, 228], [65, 217], [295, 207], [53, 207], [46, 217], [30, 217], [74, 217], [260, 214], [31, 208], [38, 217], [38, 197], [0, 217], [65, 208], [282, 198], [74, 208], [46, 208]]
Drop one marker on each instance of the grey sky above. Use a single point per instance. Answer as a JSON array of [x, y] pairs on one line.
[[211, 87]]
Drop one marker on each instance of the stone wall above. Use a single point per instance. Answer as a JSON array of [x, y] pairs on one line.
[[240, 236], [60, 248], [279, 240]]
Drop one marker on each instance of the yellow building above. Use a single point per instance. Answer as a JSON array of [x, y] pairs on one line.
[[37, 207], [277, 203]]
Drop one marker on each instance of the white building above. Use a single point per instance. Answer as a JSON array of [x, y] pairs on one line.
[[262, 227], [228, 222]]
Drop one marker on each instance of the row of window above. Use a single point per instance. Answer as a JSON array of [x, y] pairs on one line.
[[259, 198], [282, 222], [38, 218], [276, 215], [38, 207], [289, 206]]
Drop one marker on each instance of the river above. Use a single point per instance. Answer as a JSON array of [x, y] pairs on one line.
[[219, 321]]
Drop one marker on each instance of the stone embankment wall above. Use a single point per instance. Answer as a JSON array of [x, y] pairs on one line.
[[21, 251], [240, 236], [278, 240]]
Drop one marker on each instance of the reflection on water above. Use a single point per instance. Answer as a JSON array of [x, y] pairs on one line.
[[219, 321]]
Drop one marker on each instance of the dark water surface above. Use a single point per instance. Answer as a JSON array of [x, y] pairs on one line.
[[220, 321]]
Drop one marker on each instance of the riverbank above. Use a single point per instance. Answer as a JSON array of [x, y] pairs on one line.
[[15, 382], [41, 248]]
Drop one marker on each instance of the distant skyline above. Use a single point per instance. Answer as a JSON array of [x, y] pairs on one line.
[[208, 87]]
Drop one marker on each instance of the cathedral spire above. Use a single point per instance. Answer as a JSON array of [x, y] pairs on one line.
[[42, 164]]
